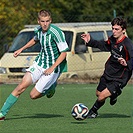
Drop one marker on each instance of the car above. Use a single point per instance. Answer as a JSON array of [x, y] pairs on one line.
[[82, 62]]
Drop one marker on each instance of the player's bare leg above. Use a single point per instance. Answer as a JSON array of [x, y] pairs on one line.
[[26, 81], [34, 94], [13, 97]]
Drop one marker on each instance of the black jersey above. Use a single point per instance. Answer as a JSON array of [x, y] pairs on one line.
[[113, 69]]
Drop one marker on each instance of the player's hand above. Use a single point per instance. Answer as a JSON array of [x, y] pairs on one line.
[[48, 71], [86, 37], [122, 61], [16, 53]]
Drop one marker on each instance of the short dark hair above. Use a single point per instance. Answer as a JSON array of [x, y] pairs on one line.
[[43, 13], [119, 21]]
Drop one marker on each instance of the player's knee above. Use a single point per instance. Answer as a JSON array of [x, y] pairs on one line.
[[33, 96], [101, 98], [97, 93]]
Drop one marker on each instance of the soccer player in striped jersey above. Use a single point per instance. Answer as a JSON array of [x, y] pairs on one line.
[[48, 65]]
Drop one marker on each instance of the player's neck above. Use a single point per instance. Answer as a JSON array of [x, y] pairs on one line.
[[120, 38]]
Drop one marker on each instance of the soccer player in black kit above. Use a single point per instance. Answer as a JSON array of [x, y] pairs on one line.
[[118, 68]]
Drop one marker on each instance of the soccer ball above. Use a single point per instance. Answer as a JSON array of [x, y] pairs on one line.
[[80, 111]]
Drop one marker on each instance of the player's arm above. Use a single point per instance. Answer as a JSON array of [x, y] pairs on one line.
[[122, 61], [86, 37], [128, 61], [58, 62], [29, 44], [101, 44]]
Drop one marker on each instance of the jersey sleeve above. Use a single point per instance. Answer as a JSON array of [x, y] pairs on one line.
[[129, 47], [102, 45], [60, 40]]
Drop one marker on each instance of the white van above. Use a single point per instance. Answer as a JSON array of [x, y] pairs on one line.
[[83, 62]]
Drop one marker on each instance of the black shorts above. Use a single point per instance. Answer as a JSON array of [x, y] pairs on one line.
[[112, 85]]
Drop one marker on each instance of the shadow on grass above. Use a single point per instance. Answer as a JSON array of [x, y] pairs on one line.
[[113, 116], [79, 122], [35, 116]]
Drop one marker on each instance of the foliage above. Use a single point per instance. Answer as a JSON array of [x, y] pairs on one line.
[[17, 13]]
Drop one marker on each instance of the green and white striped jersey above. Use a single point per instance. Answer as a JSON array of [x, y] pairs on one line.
[[52, 44]]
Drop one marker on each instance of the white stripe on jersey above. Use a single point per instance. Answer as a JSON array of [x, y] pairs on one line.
[[61, 45], [52, 52], [57, 34]]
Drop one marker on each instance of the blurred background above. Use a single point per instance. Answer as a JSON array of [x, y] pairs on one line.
[[14, 14]]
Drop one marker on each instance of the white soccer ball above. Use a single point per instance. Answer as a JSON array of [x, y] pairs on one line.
[[80, 111]]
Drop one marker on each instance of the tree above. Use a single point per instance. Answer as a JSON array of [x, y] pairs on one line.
[[17, 13]]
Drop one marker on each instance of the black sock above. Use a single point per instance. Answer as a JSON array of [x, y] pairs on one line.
[[97, 105]]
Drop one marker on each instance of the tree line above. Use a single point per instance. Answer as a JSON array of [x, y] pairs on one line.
[[14, 14]]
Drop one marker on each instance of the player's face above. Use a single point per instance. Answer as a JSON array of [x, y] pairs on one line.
[[118, 33], [44, 22]]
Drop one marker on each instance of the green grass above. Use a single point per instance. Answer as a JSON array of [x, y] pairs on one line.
[[54, 115]]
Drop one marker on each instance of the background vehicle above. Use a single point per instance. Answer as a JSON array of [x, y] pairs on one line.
[[83, 62]]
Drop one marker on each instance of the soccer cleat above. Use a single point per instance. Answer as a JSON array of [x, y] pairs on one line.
[[51, 91], [2, 117], [113, 98], [92, 114], [113, 101]]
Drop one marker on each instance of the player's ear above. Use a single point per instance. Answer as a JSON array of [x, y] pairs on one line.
[[38, 21], [50, 20], [124, 31]]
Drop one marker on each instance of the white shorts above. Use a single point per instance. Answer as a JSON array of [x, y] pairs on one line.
[[42, 81]]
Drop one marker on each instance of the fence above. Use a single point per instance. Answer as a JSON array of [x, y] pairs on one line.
[[84, 64]]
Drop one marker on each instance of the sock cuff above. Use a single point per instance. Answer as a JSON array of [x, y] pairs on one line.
[[8, 104], [12, 98]]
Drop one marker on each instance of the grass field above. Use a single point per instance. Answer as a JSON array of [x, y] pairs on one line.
[[54, 115]]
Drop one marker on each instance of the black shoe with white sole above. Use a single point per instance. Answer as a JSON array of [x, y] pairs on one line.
[[92, 114], [113, 101]]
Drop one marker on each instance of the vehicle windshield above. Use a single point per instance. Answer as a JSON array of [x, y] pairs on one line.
[[97, 35], [109, 33], [21, 39], [24, 37]]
